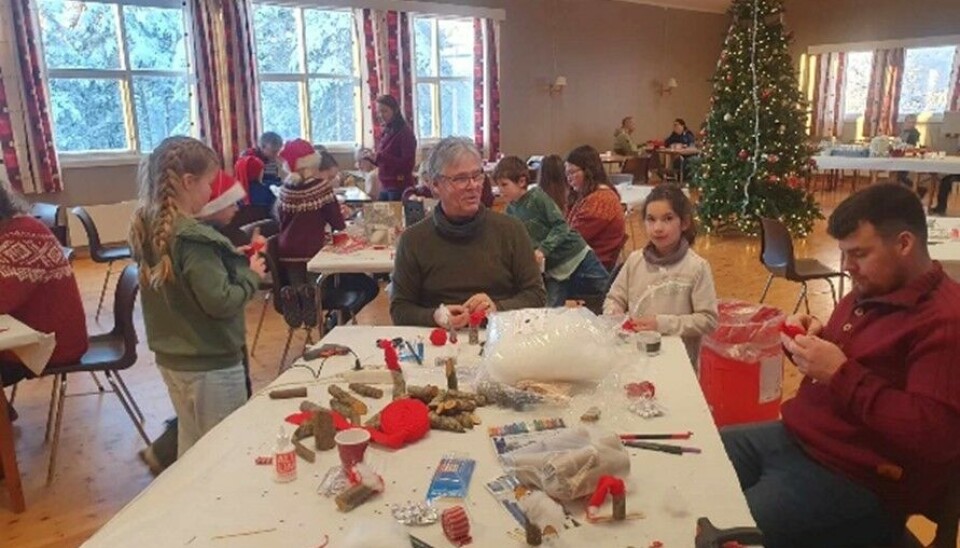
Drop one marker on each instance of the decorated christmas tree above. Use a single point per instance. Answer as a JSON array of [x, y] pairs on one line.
[[755, 153]]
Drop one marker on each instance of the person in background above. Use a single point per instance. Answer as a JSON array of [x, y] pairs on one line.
[[944, 187], [666, 287], [249, 171], [37, 288], [371, 177], [571, 268], [194, 285], [681, 137], [396, 151], [219, 212], [623, 138], [910, 136], [552, 179], [267, 151], [596, 212], [306, 206], [873, 434], [465, 257]]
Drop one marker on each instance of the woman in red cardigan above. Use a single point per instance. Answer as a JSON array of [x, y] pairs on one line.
[[37, 287], [396, 150], [596, 212]]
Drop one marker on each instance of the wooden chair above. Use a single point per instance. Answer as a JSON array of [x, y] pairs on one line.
[[109, 354], [776, 254], [100, 253]]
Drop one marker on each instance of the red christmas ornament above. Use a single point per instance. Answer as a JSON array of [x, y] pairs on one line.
[[743, 154], [773, 158], [793, 182], [767, 93]]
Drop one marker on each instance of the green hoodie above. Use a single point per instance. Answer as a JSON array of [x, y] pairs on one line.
[[562, 246], [196, 321]]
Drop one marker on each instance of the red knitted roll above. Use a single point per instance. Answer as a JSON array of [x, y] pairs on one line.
[[456, 525]]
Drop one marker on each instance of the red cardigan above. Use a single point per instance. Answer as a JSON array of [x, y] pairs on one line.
[[37, 287], [889, 419], [396, 156], [599, 218]]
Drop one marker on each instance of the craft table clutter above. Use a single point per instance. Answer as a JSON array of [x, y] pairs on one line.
[[218, 492]]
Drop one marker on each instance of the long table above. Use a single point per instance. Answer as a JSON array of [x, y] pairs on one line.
[[216, 490], [946, 166]]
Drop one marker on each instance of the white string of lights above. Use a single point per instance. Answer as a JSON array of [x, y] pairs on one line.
[[756, 108]]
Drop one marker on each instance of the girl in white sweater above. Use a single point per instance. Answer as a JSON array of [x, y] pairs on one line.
[[666, 286]]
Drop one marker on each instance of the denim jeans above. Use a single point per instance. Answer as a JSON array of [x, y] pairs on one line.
[[797, 502], [390, 195], [202, 399], [590, 278]]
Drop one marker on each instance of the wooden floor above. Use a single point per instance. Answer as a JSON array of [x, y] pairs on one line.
[[98, 468]]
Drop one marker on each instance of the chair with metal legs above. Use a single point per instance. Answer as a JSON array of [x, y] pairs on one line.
[[108, 353], [100, 253], [267, 228], [776, 254]]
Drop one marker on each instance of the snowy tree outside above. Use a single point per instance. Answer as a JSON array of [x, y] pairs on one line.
[[444, 59]]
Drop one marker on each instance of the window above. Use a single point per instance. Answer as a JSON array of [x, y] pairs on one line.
[[926, 79], [443, 54], [308, 61], [118, 72], [856, 82]]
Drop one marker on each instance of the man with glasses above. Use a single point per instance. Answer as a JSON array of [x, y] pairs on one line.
[[464, 256]]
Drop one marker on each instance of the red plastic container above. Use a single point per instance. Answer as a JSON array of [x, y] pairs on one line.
[[741, 364]]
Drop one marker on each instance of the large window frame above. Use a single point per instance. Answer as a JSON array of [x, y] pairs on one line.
[[929, 115], [125, 75], [435, 82], [304, 77], [854, 115]]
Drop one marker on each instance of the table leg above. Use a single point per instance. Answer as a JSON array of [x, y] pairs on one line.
[[8, 458], [319, 296]]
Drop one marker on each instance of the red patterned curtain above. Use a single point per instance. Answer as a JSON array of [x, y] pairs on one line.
[[9, 152], [399, 81], [370, 69], [827, 71], [479, 87], [883, 95], [954, 103], [241, 116], [204, 18], [493, 85], [486, 87], [40, 170]]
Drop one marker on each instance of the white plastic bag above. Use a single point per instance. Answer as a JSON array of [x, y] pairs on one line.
[[549, 345]]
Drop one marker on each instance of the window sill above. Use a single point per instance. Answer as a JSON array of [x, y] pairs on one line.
[[94, 159]]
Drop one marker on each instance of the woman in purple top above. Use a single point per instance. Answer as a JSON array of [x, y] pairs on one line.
[[396, 150]]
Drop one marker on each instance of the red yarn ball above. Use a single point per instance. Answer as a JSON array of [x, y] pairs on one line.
[[438, 337]]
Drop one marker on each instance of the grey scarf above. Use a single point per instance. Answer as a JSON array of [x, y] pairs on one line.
[[652, 257], [463, 230]]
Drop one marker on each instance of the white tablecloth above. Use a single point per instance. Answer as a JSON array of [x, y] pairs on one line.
[[365, 261], [632, 195], [216, 489], [948, 165], [949, 255], [32, 347]]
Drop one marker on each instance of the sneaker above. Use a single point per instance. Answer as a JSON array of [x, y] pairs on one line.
[[151, 460], [307, 294], [290, 304]]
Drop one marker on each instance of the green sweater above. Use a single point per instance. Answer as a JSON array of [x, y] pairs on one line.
[[562, 246], [431, 269], [196, 321]]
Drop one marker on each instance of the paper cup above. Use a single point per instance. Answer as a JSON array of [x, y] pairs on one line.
[[352, 444]]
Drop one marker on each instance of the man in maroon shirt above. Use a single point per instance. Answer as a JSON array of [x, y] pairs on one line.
[[874, 432]]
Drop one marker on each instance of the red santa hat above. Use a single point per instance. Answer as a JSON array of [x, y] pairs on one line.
[[299, 154], [248, 169], [224, 192]]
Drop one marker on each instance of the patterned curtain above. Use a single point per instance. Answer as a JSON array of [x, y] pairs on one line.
[[8, 153], [486, 87], [479, 86], [39, 170], [387, 54], [883, 94], [205, 20], [827, 72], [241, 87], [370, 74], [492, 58], [954, 103]]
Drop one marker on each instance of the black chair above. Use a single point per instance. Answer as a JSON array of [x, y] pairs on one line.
[[99, 253], [946, 516], [50, 215], [267, 228], [109, 354], [776, 254]]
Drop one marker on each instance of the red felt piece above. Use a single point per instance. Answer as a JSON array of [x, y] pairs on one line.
[[476, 318], [792, 331], [438, 337], [390, 356], [254, 248], [629, 325], [611, 485], [643, 389]]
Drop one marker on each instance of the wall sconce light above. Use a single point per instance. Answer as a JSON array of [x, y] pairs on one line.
[[668, 87], [557, 86]]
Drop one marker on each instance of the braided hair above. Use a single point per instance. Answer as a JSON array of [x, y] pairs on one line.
[[151, 231]]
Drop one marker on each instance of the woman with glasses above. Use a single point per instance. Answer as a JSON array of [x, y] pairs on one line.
[[596, 212], [466, 258]]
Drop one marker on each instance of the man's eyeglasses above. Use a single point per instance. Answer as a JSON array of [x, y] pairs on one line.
[[464, 179]]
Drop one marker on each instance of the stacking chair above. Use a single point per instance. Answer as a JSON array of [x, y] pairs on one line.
[[98, 252], [268, 228], [109, 354], [49, 215], [776, 254]]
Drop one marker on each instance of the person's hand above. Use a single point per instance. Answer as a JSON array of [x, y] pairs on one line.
[[258, 265], [346, 211], [481, 302], [644, 323], [459, 316], [539, 256], [811, 325], [813, 356]]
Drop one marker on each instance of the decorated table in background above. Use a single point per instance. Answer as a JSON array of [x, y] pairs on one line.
[[368, 260], [216, 490], [946, 165]]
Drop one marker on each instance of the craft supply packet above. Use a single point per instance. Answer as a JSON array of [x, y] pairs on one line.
[[451, 480]]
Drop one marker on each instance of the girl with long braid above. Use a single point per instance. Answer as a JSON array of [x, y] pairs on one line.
[[194, 286]]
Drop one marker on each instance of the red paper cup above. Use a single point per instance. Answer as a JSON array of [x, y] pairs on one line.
[[340, 238], [352, 444]]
